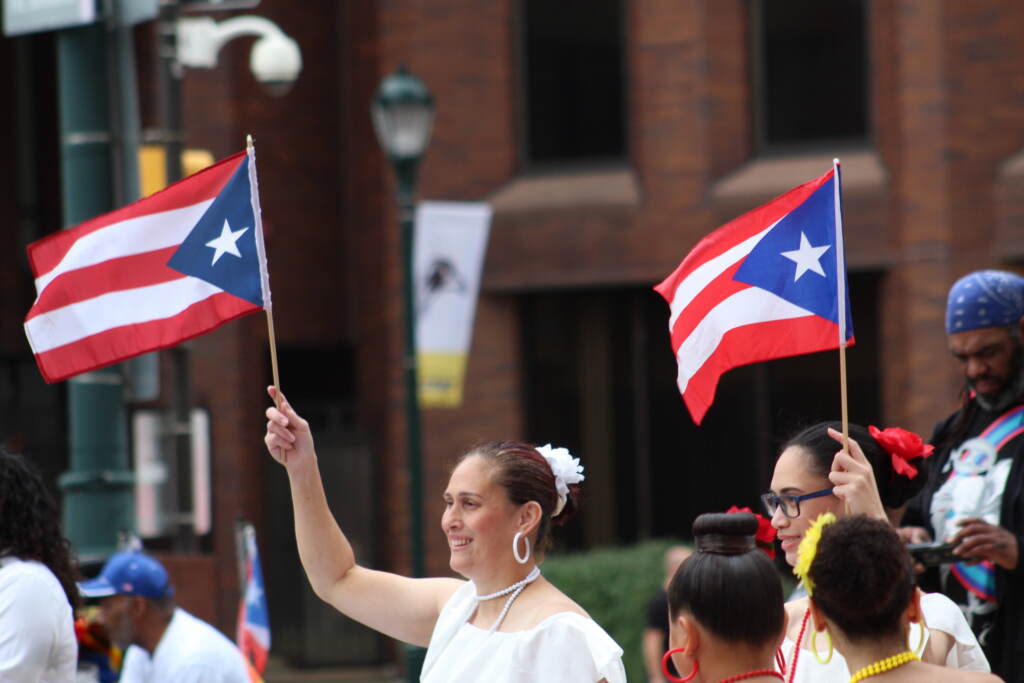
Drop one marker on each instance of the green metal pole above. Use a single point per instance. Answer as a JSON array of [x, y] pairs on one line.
[[405, 174], [98, 493]]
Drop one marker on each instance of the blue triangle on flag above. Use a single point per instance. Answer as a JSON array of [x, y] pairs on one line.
[[221, 249], [810, 226]]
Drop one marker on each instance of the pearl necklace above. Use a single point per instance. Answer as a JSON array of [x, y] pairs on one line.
[[883, 665], [515, 589]]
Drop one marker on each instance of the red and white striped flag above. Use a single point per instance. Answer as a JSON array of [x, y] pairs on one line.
[[765, 285], [150, 275]]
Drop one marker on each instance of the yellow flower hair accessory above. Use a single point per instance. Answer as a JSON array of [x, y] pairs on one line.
[[809, 548]]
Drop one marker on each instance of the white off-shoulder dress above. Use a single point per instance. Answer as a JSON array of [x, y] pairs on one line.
[[940, 613], [566, 647]]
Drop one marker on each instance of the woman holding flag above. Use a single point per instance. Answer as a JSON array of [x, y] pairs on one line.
[[878, 474], [506, 624]]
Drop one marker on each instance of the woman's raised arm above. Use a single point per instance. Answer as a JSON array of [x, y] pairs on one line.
[[397, 606]]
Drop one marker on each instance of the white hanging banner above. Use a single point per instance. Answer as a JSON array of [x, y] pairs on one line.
[[449, 248]]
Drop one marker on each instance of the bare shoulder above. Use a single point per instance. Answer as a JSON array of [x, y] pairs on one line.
[[939, 645], [553, 601], [795, 611], [543, 602], [931, 672], [444, 589], [973, 677]]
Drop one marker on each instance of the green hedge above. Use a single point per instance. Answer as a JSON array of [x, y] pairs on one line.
[[614, 585]]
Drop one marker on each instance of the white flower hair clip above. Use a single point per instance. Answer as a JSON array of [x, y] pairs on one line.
[[567, 470]]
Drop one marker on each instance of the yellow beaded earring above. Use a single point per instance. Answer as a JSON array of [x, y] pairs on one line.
[[814, 647]]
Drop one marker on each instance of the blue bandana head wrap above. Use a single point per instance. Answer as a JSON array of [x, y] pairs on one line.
[[985, 298]]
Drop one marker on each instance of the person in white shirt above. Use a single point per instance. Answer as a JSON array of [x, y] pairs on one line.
[[37, 584], [507, 623], [163, 643]]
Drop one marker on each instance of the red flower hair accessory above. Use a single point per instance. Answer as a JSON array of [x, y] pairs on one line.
[[902, 446], [765, 536]]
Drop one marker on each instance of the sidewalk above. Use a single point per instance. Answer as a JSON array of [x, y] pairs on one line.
[[278, 671]]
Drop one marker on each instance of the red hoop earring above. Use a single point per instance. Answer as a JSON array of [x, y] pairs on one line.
[[664, 666]]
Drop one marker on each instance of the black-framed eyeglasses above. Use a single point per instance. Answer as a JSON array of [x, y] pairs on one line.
[[790, 504]]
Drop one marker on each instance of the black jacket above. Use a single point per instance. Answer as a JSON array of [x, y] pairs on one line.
[[1005, 650]]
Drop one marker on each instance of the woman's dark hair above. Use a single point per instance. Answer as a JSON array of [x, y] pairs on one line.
[[894, 489], [863, 577], [29, 525], [525, 475], [728, 585]]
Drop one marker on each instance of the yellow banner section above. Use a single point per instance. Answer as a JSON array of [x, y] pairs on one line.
[[440, 379], [153, 166]]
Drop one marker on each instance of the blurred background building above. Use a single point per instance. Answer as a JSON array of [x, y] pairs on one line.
[[609, 136]]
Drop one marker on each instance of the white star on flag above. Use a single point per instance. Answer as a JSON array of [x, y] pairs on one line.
[[253, 594], [807, 257], [227, 243]]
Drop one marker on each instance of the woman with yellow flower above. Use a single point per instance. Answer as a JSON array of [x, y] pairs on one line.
[[841, 563], [876, 477]]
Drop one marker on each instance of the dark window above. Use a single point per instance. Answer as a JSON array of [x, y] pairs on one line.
[[573, 80], [810, 71]]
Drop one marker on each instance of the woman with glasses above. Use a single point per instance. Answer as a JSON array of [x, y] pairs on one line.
[[878, 475], [843, 561]]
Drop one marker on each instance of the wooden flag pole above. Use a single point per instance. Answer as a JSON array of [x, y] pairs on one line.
[[841, 308], [270, 321], [842, 391], [841, 301], [273, 358]]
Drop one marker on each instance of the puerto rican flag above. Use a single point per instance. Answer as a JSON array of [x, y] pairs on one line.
[[765, 285], [150, 275], [253, 635]]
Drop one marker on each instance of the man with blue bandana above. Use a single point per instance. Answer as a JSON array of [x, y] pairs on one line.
[[974, 498]]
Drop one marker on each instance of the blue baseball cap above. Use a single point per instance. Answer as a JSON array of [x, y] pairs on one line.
[[129, 573]]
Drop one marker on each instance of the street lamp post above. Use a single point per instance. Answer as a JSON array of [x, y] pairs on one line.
[[403, 116]]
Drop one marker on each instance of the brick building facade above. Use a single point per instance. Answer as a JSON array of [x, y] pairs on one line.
[[569, 344]]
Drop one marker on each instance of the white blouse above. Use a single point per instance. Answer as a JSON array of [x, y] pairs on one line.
[[940, 614], [566, 647], [37, 626]]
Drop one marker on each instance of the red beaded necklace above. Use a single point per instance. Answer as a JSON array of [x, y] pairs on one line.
[[799, 638], [753, 674]]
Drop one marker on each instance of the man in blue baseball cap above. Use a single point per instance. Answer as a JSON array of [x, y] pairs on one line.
[[162, 642], [974, 498]]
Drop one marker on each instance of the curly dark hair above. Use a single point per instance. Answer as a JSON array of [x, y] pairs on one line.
[[729, 586], [525, 475], [894, 489], [863, 577], [29, 522]]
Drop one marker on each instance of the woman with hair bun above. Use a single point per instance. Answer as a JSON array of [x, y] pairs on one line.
[[877, 477], [507, 623], [860, 579], [726, 615]]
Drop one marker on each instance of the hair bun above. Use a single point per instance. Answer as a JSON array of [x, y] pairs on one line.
[[725, 533]]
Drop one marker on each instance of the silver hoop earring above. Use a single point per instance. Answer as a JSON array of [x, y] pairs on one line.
[[515, 548]]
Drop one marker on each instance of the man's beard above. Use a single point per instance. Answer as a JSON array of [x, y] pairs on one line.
[[1014, 388]]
